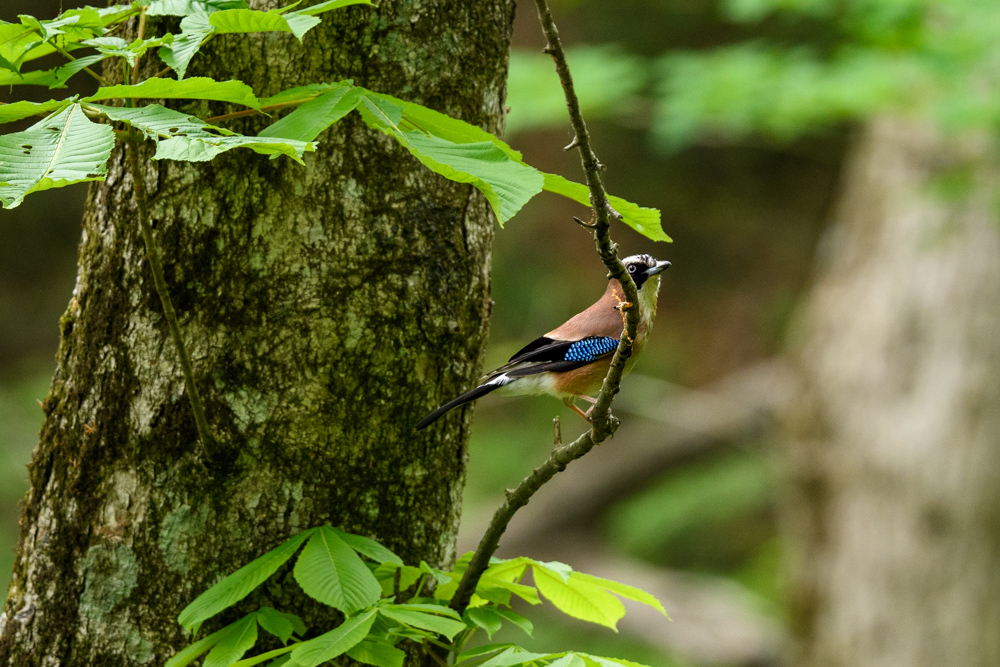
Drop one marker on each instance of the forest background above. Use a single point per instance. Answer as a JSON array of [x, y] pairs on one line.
[[685, 501]]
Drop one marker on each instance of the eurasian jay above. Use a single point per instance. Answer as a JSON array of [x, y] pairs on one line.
[[571, 361]]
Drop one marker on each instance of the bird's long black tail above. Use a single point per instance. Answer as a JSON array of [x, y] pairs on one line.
[[481, 390]]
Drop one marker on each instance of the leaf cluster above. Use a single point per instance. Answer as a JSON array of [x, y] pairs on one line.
[[74, 141], [386, 602]]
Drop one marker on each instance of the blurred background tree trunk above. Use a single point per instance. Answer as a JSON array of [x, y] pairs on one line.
[[894, 522], [326, 309]]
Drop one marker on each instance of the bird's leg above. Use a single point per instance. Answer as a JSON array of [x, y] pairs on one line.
[[571, 404], [592, 401]]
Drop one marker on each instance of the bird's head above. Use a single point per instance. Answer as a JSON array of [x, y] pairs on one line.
[[643, 267]]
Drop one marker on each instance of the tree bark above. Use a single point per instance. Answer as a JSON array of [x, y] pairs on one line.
[[326, 309], [895, 517]]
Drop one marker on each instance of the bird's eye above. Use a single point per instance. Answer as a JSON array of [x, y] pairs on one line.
[[631, 269]]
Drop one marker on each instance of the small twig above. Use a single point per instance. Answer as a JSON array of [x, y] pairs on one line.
[[139, 188], [556, 432], [586, 225], [571, 145], [603, 423], [251, 112], [139, 33], [395, 582], [165, 70], [100, 79]]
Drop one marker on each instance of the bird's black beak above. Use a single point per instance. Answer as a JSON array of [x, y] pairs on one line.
[[659, 268]]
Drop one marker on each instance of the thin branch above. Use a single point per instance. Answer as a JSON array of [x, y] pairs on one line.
[[603, 423], [142, 29], [100, 79], [139, 188], [252, 112]]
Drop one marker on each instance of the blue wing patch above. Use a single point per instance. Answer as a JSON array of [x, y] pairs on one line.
[[591, 349]]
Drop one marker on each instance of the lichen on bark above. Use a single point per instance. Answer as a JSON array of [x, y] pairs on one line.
[[325, 308]]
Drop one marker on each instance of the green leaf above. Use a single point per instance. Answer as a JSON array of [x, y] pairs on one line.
[[507, 184], [264, 657], [486, 618], [579, 599], [280, 624], [336, 642], [646, 221], [182, 137], [182, 49], [332, 4], [415, 619], [191, 653], [569, 660], [330, 571], [20, 110], [386, 575], [118, 47], [309, 120], [239, 584], [488, 582], [518, 620], [252, 20], [624, 590], [610, 662], [198, 88], [439, 609], [380, 654], [239, 638], [480, 651], [59, 150], [368, 547], [301, 93], [514, 656], [508, 570], [188, 7]]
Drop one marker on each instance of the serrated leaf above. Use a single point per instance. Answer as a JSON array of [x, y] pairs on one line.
[[514, 656], [251, 20], [301, 93], [336, 642], [182, 49], [624, 590], [191, 653], [197, 88], [280, 624], [611, 662], [24, 109], [368, 547], [386, 575], [118, 47], [239, 584], [480, 651], [439, 609], [182, 137], [416, 619], [415, 116], [646, 221], [188, 7], [523, 591], [380, 654], [332, 4], [518, 620], [239, 637], [579, 599], [264, 657], [59, 150], [309, 120], [508, 570], [486, 618], [568, 660], [508, 185], [53, 78], [331, 572]]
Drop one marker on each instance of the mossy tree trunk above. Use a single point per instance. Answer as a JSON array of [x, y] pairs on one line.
[[895, 523], [326, 309]]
